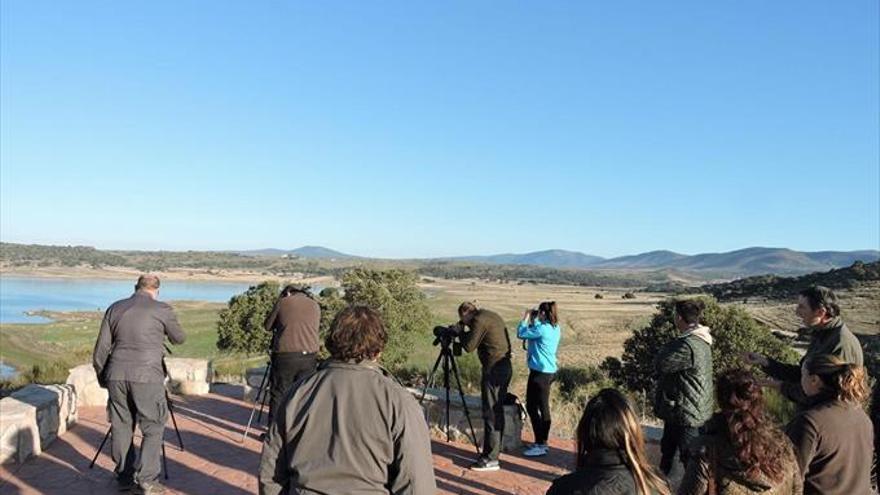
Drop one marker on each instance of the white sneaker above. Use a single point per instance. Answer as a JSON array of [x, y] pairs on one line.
[[536, 450]]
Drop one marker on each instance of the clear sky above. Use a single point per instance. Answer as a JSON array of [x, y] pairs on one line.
[[411, 129]]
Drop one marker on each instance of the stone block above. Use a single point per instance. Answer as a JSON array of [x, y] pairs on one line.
[[189, 376], [33, 417], [85, 382], [434, 406]]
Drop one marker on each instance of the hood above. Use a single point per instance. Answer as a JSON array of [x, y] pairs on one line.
[[701, 332]]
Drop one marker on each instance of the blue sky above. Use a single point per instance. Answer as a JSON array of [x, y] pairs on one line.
[[410, 129]]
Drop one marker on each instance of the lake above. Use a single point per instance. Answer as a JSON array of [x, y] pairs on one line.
[[18, 295]]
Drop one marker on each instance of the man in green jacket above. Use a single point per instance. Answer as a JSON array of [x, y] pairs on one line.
[[818, 308], [488, 336], [684, 398]]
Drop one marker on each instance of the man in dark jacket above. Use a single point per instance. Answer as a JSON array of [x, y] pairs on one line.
[[684, 399], [488, 335], [818, 308], [128, 361], [294, 322], [349, 427]]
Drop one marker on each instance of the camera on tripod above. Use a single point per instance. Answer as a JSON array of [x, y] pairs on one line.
[[448, 335]]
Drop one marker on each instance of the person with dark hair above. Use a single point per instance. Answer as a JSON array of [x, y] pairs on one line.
[[833, 437], [350, 427], [488, 336], [818, 309], [294, 323], [742, 451], [540, 329], [610, 454], [128, 361], [684, 399]]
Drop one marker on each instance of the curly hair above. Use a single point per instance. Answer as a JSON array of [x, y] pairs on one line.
[[356, 334], [848, 382], [760, 446]]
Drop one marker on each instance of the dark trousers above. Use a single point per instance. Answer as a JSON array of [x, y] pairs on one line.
[[676, 437], [493, 390], [538, 403], [287, 368], [141, 404]]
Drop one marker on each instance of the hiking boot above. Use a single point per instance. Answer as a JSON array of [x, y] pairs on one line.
[[536, 450], [125, 484], [150, 488], [484, 464]]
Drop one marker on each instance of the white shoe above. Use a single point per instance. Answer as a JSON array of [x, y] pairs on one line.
[[536, 450]]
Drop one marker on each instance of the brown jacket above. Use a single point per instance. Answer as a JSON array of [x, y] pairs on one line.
[[348, 428], [296, 319], [488, 335], [715, 458], [833, 442]]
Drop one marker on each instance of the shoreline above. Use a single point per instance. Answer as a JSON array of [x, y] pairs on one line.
[[176, 275]]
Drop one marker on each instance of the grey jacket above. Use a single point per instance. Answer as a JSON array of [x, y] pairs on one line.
[[348, 428], [131, 341]]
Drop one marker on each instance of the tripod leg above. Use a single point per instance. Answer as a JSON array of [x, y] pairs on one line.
[[467, 413], [446, 386], [267, 385], [164, 460], [173, 421], [256, 404], [430, 380], [100, 448]]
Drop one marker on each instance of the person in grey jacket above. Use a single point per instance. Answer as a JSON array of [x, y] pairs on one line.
[[128, 361], [350, 427], [684, 399]]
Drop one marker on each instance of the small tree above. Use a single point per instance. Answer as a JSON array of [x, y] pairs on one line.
[[396, 296], [240, 327], [733, 330]]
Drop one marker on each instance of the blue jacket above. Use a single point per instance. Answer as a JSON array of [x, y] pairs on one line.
[[543, 341]]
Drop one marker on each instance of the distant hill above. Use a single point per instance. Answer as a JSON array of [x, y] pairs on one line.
[[775, 287], [554, 258], [740, 263], [307, 252]]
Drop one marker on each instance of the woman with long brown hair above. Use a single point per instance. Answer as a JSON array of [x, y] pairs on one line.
[[610, 454], [742, 451], [833, 438], [540, 330]]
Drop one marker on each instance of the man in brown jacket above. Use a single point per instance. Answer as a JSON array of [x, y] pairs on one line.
[[349, 427], [294, 322], [128, 361]]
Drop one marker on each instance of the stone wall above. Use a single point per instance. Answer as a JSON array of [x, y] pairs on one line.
[[434, 406], [33, 417], [85, 382], [189, 376]]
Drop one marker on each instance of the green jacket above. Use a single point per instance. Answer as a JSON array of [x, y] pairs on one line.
[[834, 338], [685, 393]]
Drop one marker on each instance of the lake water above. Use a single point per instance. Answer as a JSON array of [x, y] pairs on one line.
[[20, 295]]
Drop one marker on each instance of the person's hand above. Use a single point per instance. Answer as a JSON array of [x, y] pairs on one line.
[[754, 358], [527, 315]]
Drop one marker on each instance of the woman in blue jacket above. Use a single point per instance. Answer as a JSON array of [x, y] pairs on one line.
[[540, 328]]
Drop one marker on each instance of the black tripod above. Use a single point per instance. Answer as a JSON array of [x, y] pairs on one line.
[[259, 404], [447, 358], [164, 455]]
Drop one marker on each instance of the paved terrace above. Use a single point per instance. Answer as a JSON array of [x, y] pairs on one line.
[[217, 462]]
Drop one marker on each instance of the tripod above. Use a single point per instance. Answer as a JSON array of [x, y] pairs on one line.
[[164, 455], [447, 358], [264, 389]]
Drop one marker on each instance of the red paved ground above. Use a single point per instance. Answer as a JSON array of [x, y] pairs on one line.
[[216, 462]]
